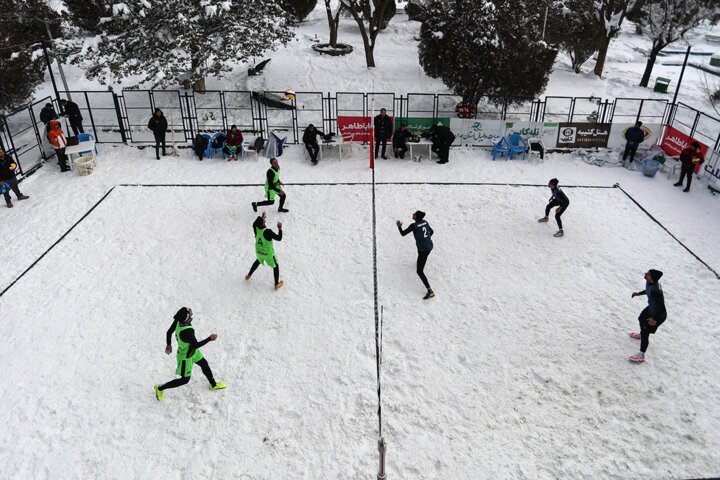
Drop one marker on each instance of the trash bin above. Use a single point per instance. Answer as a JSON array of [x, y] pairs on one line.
[[661, 84], [650, 167], [84, 165]]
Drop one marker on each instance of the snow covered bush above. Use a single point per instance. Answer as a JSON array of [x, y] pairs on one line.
[[299, 9], [159, 45], [486, 48]]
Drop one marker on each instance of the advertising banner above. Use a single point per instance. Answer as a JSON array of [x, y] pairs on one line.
[[479, 133], [583, 135], [355, 129], [420, 125], [617, 134], [545, 131]]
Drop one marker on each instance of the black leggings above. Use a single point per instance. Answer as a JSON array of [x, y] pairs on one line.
[[555, 203], [422, 258], [271, 202], [645, 329], [179, 382], [276, 269]]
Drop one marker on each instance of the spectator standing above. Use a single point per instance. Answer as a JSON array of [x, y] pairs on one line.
[[634, 136], [310, 141], [200, 144], [48, 113], [690, 157], [58, 141], [383, 131], [399, 141], [559, 200], [8, 178], [442, 138], [72, 112], [158, 124], [233, 142], [652, 316]]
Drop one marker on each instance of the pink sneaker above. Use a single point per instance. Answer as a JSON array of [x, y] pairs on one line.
[[637, 358], [634, 335]]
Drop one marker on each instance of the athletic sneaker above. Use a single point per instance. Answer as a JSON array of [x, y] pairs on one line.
[[218, 386], [429, 294], [283, 210], [637, 358], [543, 220], [678, 184], [559, 233], [634, 335], [158, 393], [279, 285], [254, 206]]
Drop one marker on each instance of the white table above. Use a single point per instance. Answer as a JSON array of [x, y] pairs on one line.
[[336, 141], [422, 142], [86, 146]]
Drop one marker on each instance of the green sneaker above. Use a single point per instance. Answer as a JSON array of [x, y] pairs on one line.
[[218, 386], [158, 393]]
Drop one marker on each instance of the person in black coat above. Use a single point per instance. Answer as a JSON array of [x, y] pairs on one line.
[[399, 141], [7, 177], [48, 113], [158, 124], [310, 141], [634, 136], [200, 144], [442, 138], [383, 131], [559, 200], [690, 156], [653, 315], [72, 112]]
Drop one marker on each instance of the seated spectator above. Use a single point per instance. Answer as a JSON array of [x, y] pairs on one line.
[[399, 141], [311, 144], [200, 144], [57, 140], [233, 143]]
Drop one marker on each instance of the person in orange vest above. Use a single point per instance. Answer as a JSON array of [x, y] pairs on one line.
[[57, 140]]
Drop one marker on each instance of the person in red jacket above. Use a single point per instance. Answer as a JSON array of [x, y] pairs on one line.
[[57, 140], [233, 143], [689, 157]]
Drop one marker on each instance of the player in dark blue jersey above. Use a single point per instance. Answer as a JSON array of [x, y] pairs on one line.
[[423, 232]]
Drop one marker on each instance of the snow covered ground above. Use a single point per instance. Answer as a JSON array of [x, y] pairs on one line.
[[518, 369]]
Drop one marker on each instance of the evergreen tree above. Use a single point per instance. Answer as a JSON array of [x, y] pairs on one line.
[[666, 21], [161, 42], [299, 9], [610, 15], [21, 62], [476, 51], [370, 16], [415, 10], [572, 26], [87, 14]]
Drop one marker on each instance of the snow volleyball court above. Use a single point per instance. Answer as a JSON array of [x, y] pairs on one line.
[[518, 369]]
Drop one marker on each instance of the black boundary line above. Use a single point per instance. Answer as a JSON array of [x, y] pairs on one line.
[[373, 183], [617, 185], [56, 242]]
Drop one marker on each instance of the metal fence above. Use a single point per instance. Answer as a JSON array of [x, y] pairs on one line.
[[123, 118]]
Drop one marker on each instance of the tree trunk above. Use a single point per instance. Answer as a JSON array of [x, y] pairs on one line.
[[602, 53], [332, 23], [649, 66], [199, 85], [369, 56]]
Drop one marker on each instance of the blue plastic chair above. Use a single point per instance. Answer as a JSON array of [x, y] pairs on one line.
[[517, 145], [211, 149], [84, 137], [500, 146]]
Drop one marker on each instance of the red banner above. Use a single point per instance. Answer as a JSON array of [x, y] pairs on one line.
[[674, 141], [355, 129]]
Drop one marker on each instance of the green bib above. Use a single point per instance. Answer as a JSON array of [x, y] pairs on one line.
[[263, 248], [276, 179], [184, 347]]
